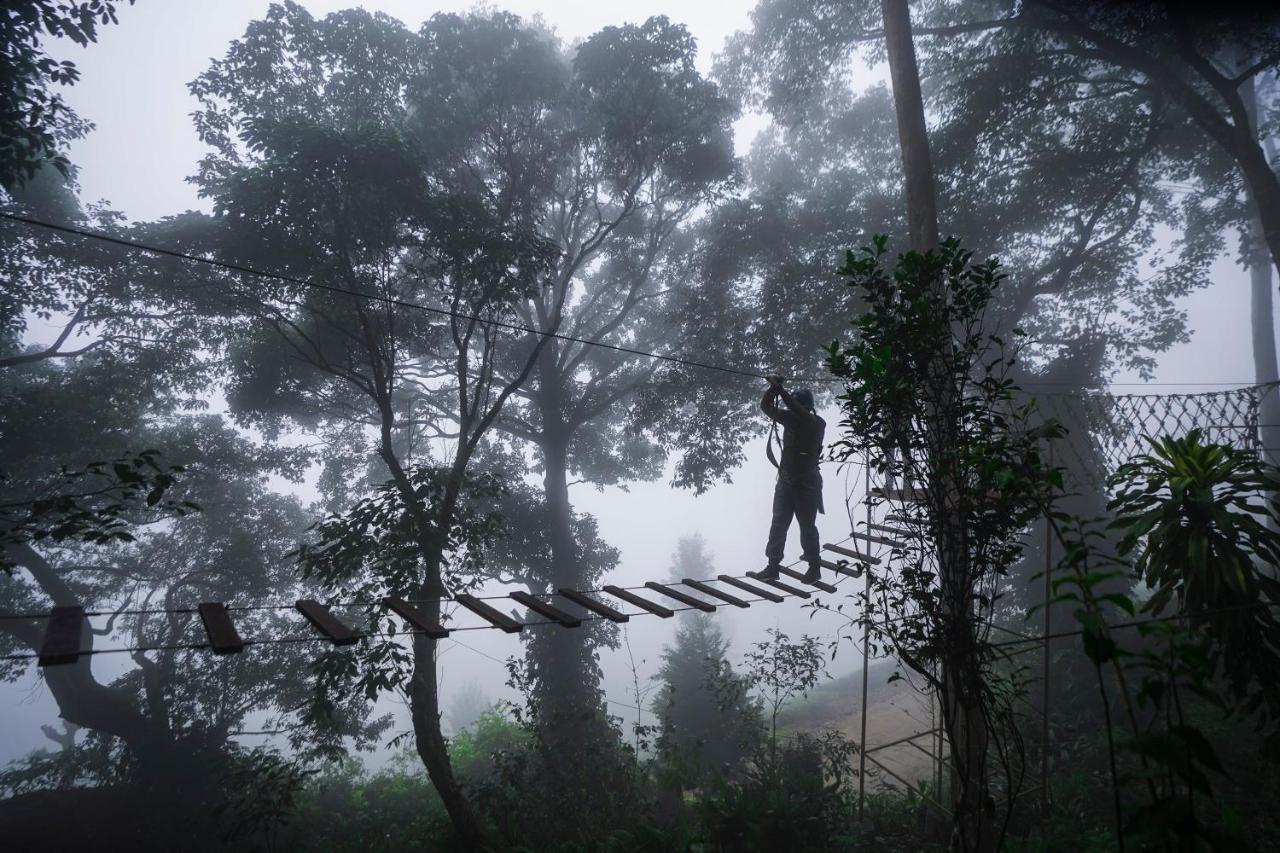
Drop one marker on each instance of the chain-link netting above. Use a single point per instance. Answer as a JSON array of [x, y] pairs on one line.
[[1106, 430]]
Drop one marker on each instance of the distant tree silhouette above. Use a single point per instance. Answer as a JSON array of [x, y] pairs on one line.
[[708, 724]]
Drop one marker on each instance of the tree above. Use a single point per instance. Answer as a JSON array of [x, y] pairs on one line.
[[36, 123], [1038, 159], [943, 414], [648, 145], [782, 670], [708, 723], [1199, 60], [166, 725], [343, 151]]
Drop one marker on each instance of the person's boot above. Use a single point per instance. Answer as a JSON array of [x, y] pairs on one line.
[[814, 574], [769, 572]]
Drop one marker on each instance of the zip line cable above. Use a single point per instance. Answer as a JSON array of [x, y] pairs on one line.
[[514, 327], [389, 300]]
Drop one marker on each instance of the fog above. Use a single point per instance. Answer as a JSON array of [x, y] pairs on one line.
[[733, 278]]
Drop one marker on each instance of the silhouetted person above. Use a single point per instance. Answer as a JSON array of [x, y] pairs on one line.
[[798, 492]]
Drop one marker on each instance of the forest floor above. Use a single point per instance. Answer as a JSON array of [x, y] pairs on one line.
[[894, 710]]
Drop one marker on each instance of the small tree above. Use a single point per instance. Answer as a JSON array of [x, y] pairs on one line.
[[708, 722], [947, 418], [782, 670]]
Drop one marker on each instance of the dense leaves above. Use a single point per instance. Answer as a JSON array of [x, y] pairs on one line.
[[36, 123], [1200, 520]]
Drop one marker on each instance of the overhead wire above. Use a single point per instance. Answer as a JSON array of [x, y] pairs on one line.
[[502, 324], [388, 300]]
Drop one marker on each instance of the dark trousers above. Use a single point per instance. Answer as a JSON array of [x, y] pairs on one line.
[[801, 501]]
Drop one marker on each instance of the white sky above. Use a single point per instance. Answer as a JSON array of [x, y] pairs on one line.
[[134, 89]]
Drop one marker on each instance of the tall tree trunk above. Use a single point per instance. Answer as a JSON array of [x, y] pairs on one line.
[[567, 689], [424, 686], [1262, 312], [964, 714], [913, 137]]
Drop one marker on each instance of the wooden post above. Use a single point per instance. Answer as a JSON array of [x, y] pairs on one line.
[[799, 576], [866, 660], [495, 617], [787, 588], [852, 554], [686, 600], [543, 609], [711, 591], [1044, 722], [754, 590], [841, 570]]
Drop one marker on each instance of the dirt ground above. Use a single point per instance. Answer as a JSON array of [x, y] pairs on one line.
[[894, 711]]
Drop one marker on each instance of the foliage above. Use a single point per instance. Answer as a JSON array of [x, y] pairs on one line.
[[1173, 760], [35, 123], [780, 670], [708, 724], [95, 504], [1201, 521], [796, 796], [1193, 525], [929, 400], [373, 550]]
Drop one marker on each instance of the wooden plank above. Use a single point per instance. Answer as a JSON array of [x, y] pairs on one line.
[[851, 554], [877, 540], [787, 588], [843, 570], [909, 496], [326, 623], [687, 600], [892, 531], [594, 606], [705, 589], [541, 607], [799, 576], [224, 639], [415, 617], [62, 636], [642, 603], [496, 617], [754, 590], [901, 519]]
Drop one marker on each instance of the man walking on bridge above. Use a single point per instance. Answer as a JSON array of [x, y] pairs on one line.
[[798, 491]]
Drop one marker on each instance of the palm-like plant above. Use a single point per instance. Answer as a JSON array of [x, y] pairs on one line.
[[1201, 520]]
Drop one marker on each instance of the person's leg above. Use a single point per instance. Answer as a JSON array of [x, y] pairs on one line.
[[783, 509], [806, 511]]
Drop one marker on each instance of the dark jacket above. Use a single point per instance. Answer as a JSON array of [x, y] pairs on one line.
[[803, 432]]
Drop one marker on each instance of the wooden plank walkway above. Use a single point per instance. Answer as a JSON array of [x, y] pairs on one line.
[[64, 631]]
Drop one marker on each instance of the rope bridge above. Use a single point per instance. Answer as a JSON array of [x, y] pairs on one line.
[[65, 624]]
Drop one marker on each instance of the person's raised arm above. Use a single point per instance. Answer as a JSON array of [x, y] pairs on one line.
[[769, 402], [794, 407]]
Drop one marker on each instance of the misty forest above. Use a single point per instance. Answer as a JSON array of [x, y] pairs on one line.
[[769, 425]]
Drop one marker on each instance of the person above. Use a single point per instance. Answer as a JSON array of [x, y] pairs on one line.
[[798, 492]]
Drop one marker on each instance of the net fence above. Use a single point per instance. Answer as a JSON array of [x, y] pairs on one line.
[[1105, 430]]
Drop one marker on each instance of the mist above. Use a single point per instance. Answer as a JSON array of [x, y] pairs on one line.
[[326, 327]]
